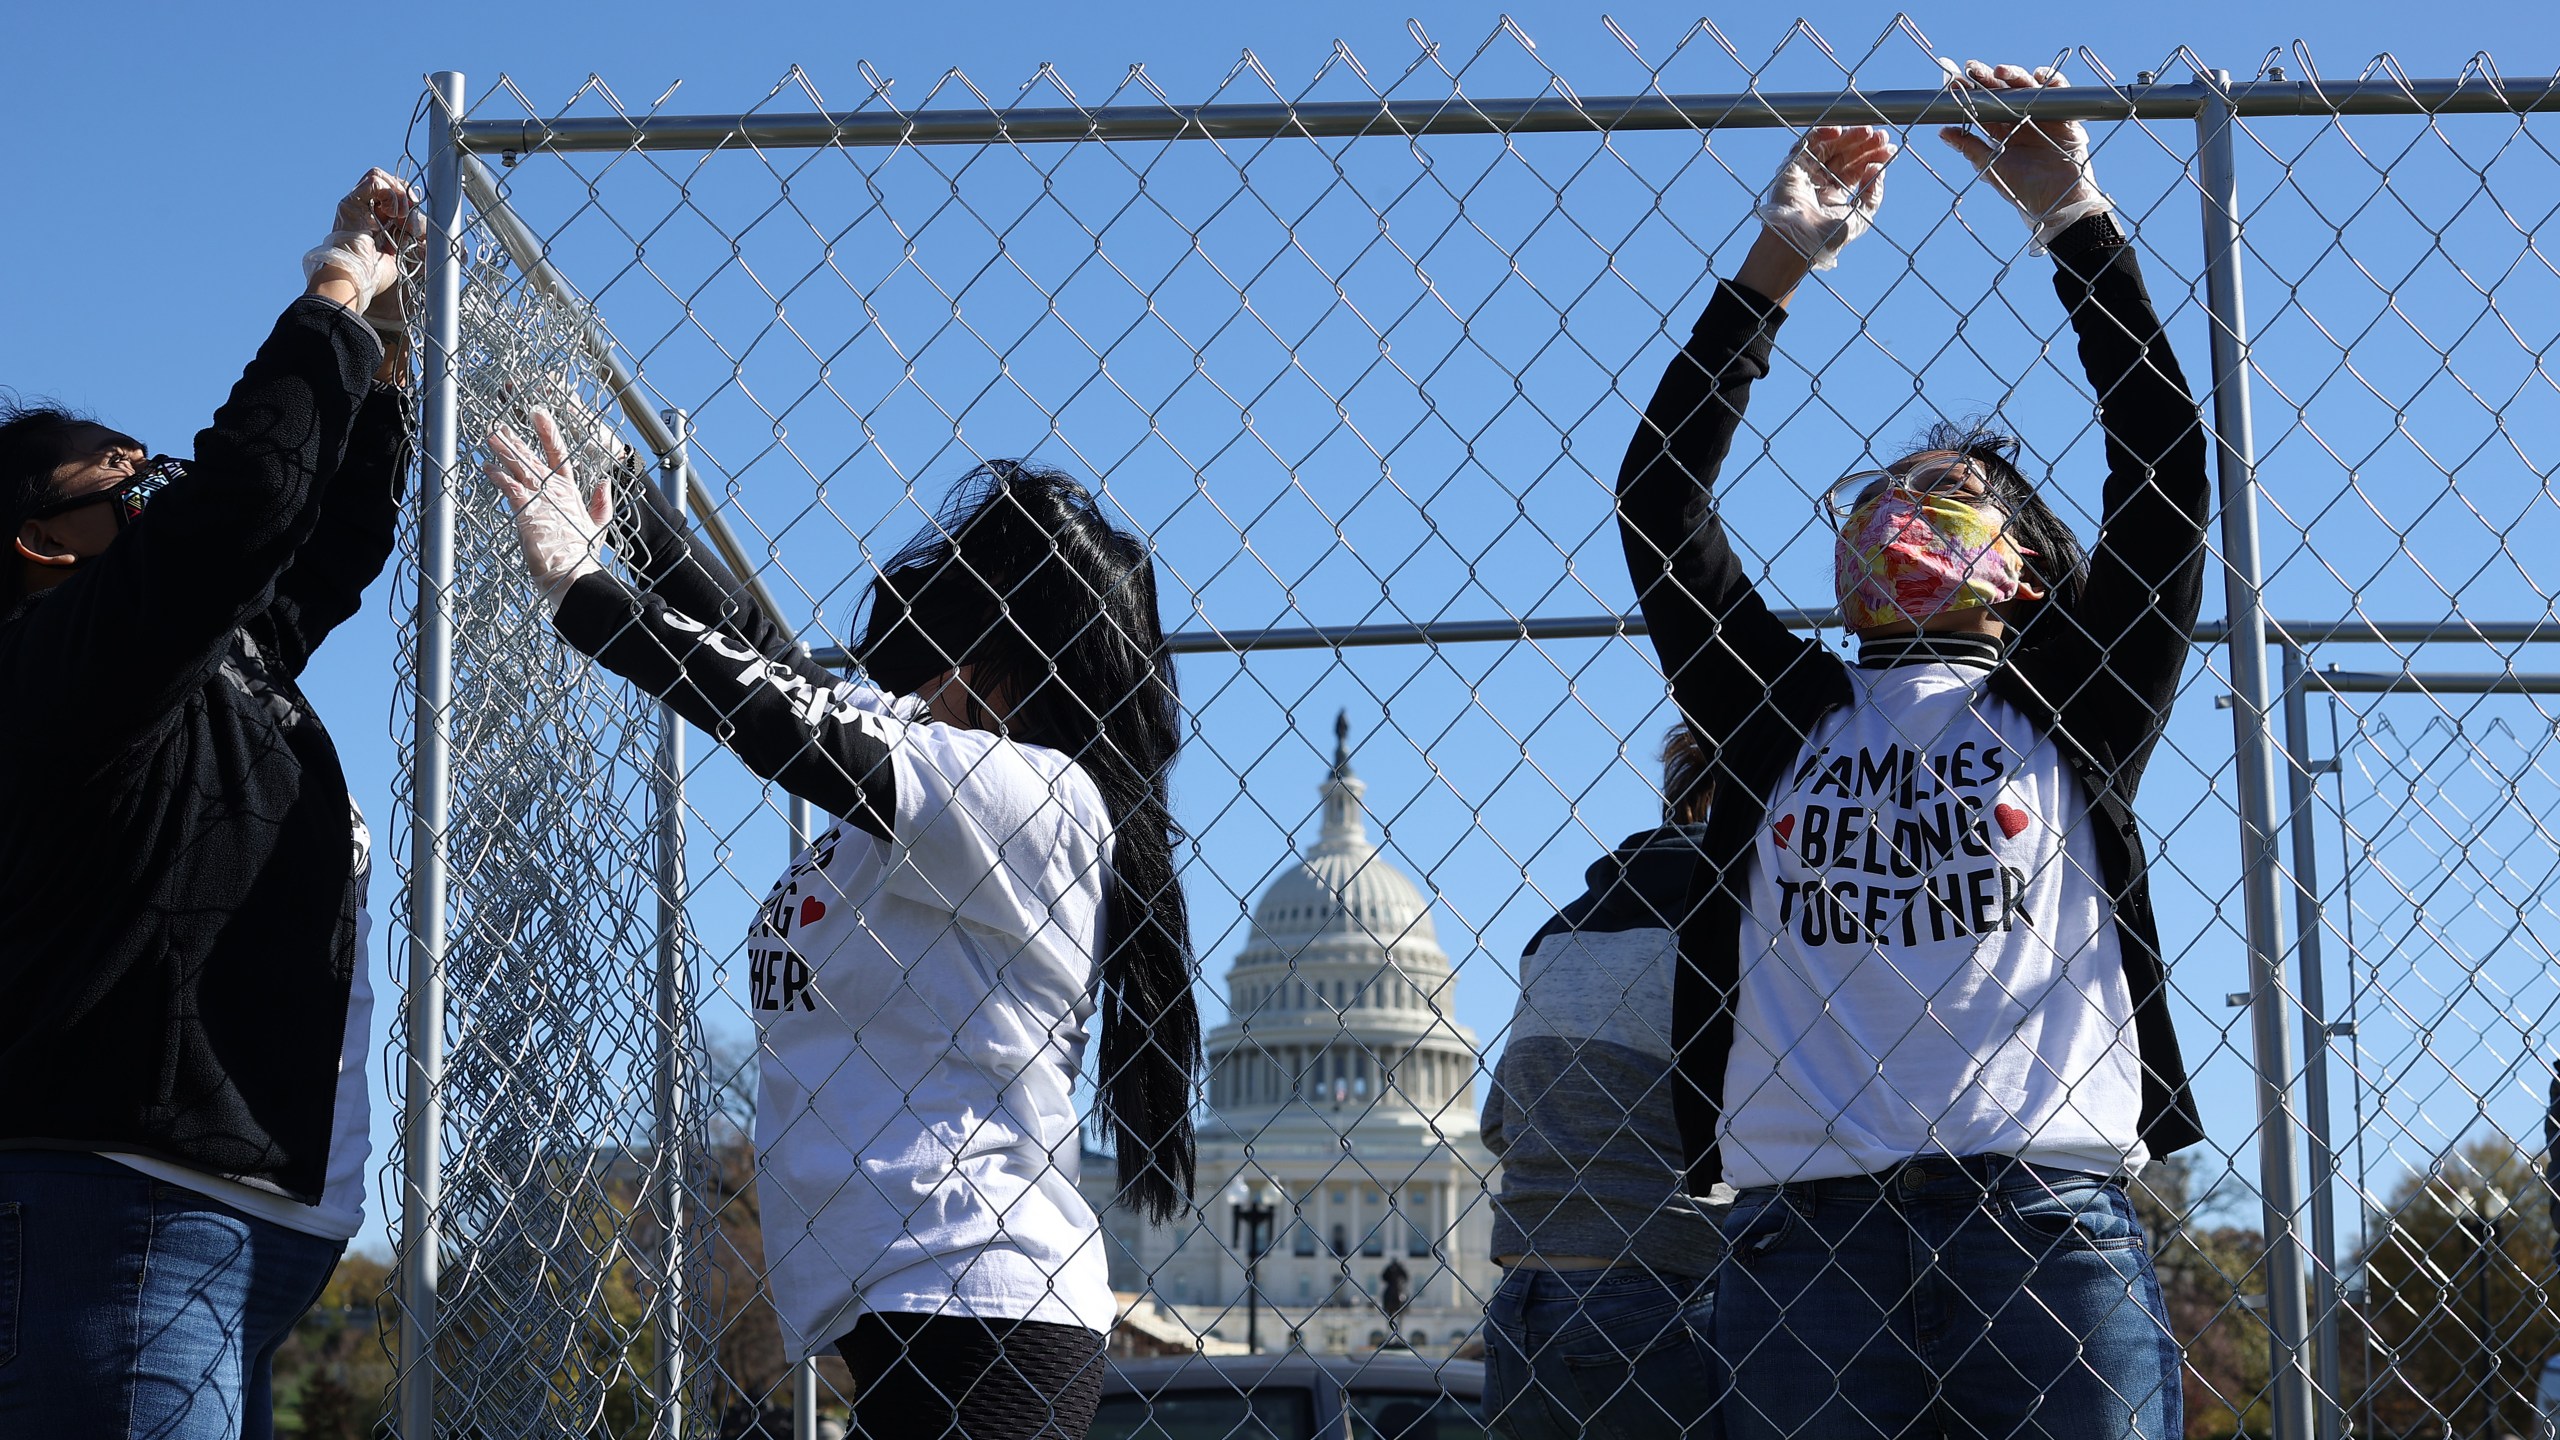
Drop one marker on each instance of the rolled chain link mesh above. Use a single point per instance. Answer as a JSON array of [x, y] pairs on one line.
[[1364, 396], [554, 1165]]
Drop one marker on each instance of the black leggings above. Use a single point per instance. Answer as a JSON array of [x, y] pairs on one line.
[[923, 1377]]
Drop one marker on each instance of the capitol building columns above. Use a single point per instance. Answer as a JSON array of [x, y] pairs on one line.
[[1342, 1088]]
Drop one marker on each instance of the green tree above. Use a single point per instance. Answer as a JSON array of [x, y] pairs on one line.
[[2207, 1266], [2456, 1308], [331, 1373]]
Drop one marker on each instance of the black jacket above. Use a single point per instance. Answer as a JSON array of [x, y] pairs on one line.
[[177, 909], [2098, 676]]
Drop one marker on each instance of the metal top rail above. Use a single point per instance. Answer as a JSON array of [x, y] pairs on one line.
[[2430, 682], [1459, 115], [1211, 640]]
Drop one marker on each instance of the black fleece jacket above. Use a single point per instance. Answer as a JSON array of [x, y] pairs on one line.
[[177, 906], [2099, 676]]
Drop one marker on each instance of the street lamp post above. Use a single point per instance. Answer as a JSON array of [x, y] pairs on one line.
[[1252, 1232]]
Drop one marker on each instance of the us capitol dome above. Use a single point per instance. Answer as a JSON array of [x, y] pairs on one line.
[[1341, 1096]]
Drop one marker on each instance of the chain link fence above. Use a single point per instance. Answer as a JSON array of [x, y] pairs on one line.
[[1357, 357]]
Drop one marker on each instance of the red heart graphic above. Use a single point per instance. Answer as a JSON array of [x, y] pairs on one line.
[[2012, 819], [812, 910], [1786, 827]]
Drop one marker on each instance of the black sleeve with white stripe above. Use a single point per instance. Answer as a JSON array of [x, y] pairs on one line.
[[653, 538], [789, 720]]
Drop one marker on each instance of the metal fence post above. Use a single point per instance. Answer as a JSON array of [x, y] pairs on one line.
[[804, 1375], [2253, 749], [2300, 775], [431, 779], [675, 1020]]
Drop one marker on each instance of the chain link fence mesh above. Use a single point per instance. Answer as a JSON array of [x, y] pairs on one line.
[[556, 1161], [1364, 396]]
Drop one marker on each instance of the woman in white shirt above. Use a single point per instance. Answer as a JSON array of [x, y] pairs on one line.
[[924, 974], [1923, 1023]]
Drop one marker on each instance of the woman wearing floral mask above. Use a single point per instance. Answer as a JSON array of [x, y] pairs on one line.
[[1923, 1025]]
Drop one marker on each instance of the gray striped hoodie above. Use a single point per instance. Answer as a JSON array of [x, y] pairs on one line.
[[1580, 1105]]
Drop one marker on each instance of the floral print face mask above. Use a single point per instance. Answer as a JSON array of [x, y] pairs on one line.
[[1904, 557]]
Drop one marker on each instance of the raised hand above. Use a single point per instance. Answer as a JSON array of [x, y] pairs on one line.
[[587, 431], [560, 526], [2040, 166], [374, 225], [1826, 193]]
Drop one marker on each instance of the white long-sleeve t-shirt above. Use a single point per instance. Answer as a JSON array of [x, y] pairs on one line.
[[1930, 965]]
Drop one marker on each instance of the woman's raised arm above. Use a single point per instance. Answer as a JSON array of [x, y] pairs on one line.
[[790, 721], [1718, 642], [2113, 658]]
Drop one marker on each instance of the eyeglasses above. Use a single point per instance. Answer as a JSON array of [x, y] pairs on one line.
[[132, 495], [1945, 475]]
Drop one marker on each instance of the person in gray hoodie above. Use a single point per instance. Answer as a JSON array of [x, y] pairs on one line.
[[1602, 1322]]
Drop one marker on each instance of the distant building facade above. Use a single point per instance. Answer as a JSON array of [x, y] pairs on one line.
[[1342, 1091]]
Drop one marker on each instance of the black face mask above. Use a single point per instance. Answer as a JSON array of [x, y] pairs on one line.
[[130, 496]]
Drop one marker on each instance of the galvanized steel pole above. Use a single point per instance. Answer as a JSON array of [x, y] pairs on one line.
[[670, 1135], [1537, 629], [804, 1376], [2434, 682], [2253, 749], [430, 776], [881, 126], [2317, 1036]]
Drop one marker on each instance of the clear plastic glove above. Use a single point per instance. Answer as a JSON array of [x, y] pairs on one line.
[[376, 224], [593, 441], [2042, 166], [561, 527], [1826, 193]]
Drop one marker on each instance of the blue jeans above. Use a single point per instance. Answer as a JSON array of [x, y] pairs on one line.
[[130, 1307], [1621, 1353], [1980, 1297]]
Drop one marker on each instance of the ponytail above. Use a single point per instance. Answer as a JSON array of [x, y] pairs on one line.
[[1022, 577]]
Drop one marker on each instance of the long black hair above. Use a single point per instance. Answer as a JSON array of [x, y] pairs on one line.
[[2056, 561], [1023, 578]]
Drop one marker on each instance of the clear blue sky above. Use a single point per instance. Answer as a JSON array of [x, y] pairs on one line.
[[167, 164]]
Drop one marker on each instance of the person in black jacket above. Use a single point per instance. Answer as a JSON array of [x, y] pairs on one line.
[[1922, 1016], [182, 1106]]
